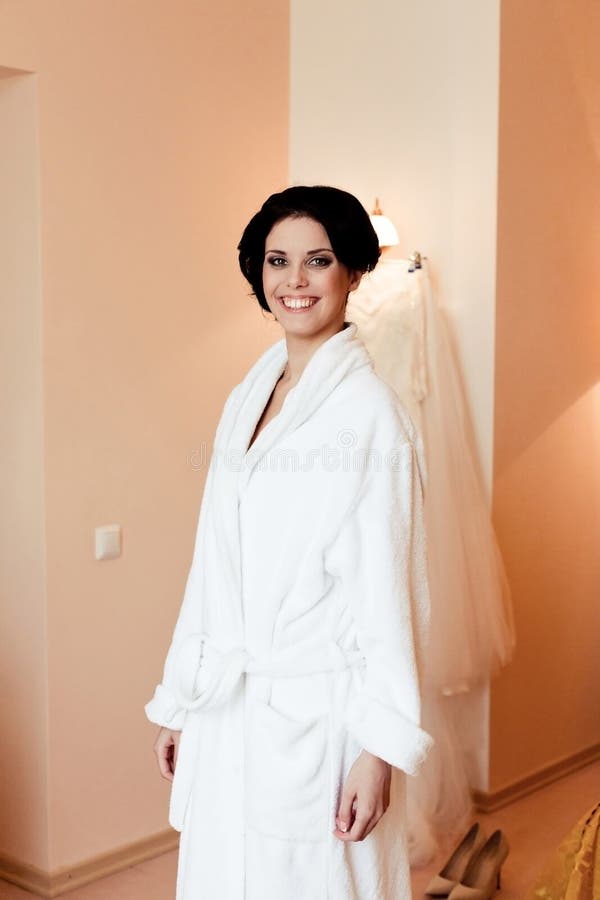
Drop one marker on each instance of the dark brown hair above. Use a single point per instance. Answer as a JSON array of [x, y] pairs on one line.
[[352, 237]]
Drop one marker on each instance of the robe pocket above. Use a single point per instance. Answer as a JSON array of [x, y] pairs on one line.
[[287, 774]]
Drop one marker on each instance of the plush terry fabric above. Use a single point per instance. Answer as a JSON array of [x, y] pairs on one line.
[[298, 639]]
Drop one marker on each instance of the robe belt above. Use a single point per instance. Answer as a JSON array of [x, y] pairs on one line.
[[221, 671]]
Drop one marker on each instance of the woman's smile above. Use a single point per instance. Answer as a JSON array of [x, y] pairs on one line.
[[298, 304]]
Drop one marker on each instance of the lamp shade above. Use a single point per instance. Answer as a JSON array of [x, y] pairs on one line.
[[384, 228], [385, 231]]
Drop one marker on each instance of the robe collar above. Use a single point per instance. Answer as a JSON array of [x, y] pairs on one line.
[[331, 362]]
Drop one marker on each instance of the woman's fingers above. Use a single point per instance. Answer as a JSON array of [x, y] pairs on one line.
[[344, 819], [364, 823], [164, 749], [164, 762], [362, 826]]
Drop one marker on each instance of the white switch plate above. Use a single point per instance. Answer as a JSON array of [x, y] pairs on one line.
[[108, 541]]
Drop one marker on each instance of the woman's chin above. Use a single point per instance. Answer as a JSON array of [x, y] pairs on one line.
[[314, 321]]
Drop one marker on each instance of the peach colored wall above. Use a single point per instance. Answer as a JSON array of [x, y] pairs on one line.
[[162, 126], [547, 428], [24, 658]]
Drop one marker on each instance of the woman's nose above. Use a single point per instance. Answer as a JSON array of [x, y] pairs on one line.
[[296, 276]]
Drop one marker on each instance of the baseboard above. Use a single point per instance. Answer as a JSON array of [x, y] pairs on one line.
[[54, 884], [490, 802]]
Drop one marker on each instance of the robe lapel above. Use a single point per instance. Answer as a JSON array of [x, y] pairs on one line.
[[326, 368], [238, 424]]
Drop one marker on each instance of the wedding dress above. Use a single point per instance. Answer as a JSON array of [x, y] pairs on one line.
[[471, 629]]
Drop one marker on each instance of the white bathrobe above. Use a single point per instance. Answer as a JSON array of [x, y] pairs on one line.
[[298, 639]]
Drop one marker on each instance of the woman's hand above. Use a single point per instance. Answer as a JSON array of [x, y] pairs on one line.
[[365, 797], [166, 746]]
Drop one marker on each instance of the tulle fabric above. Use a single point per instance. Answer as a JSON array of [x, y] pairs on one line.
[[472, 633], [471, 630], [438, 799]]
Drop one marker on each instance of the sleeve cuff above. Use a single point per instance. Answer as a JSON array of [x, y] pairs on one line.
[[163, 709], [388, 734]]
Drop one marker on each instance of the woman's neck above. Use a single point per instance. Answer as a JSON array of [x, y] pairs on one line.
[[300, 349]]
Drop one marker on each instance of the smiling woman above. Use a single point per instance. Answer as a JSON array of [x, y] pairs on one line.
[[289, 706]]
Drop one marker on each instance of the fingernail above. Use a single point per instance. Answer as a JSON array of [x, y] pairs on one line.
[[343, 826]]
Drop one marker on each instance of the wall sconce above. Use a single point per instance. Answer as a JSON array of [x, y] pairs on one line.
[[384, 228]]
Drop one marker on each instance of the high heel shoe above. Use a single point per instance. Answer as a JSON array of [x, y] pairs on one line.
[[442, 884], [482, 876]]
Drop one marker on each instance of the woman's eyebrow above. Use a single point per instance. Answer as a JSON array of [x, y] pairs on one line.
[[310, 252]]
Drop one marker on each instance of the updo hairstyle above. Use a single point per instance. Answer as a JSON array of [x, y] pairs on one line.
[[352, 237]]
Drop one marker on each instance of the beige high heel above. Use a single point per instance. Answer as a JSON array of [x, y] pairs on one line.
[[443, 883], [482, 877]]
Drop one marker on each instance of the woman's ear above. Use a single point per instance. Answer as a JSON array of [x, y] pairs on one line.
[[355, 278]]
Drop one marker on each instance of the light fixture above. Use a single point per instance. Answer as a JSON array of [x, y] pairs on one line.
[[384, 228]]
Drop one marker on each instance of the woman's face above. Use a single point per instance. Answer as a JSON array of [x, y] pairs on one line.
[[304, 284]]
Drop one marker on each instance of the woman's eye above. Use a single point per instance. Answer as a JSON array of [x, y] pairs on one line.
[[320, 261], [276, 261]]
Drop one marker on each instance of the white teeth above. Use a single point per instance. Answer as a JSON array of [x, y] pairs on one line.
[[297, 304]]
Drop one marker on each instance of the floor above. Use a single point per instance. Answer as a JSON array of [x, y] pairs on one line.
[[534, 826]]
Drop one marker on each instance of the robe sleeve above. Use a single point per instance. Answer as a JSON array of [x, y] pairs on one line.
[[379, 555], [164, 708]]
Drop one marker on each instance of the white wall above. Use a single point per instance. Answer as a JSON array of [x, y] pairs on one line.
[[399, 100]]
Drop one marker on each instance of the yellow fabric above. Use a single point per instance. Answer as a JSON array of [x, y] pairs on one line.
[[574, 871]]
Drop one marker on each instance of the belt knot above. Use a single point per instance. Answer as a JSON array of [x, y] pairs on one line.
[[208, 676]]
